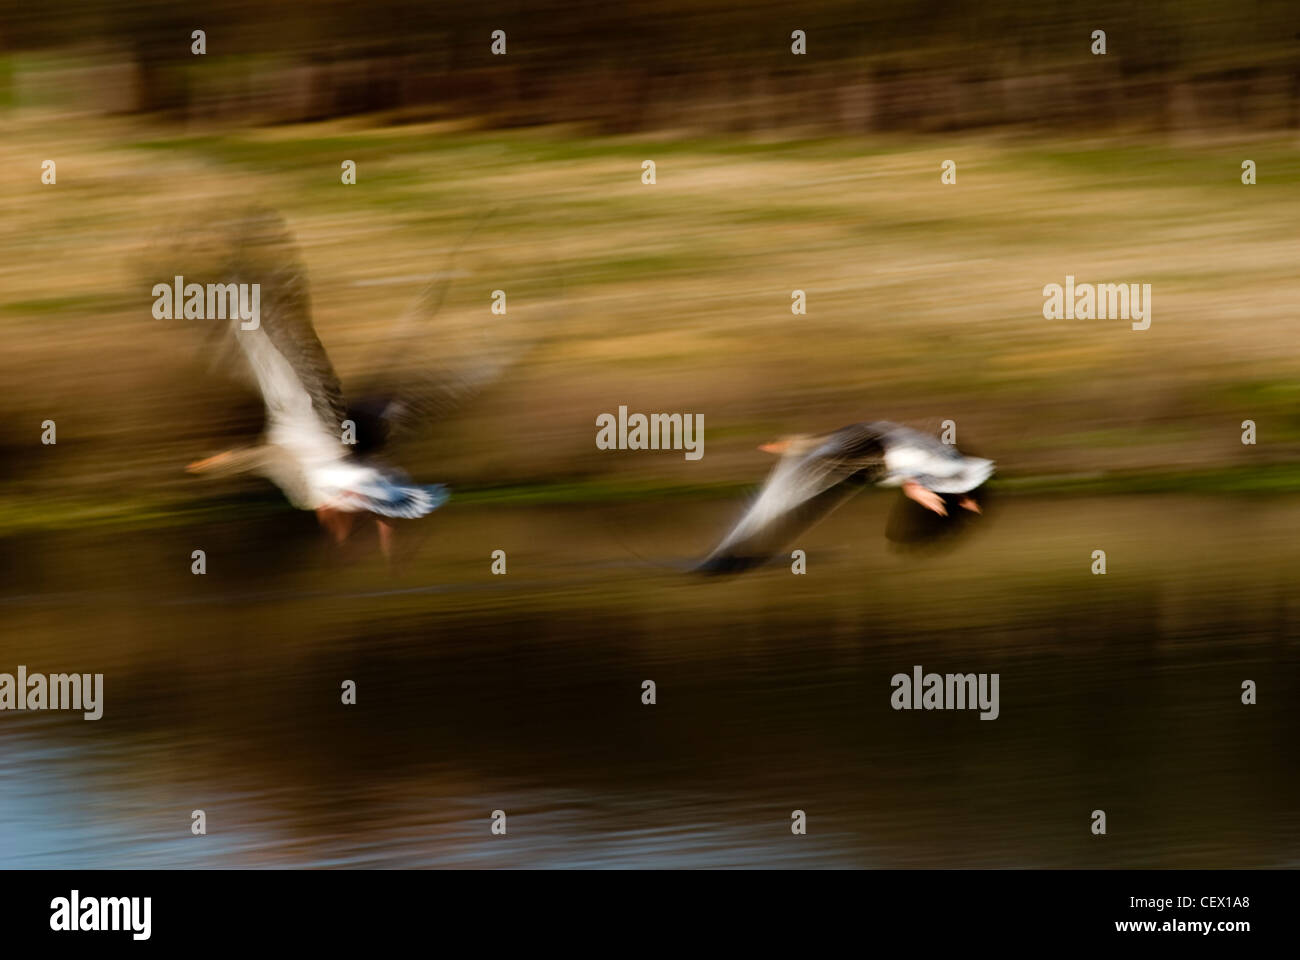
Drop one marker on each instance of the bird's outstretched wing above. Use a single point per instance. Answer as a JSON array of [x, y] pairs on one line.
[[426, 369], [803, 488], [282, 354]]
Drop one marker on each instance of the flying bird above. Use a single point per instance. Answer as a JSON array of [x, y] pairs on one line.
[[818, 473], [321, 452]]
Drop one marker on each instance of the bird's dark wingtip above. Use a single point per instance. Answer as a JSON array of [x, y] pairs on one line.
[[726, 564]]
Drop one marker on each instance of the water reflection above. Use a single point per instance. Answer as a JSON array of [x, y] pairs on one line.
[[523, 693]]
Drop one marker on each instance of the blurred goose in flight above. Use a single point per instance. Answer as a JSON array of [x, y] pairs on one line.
[[305, 448], [818, 473]]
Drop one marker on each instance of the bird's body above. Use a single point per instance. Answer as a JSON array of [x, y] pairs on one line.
[[910, 455], [309, 443], [818, 473]]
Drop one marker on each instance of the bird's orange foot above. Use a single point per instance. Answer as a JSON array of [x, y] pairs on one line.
[[968, 503], [925, 497], [385, 529], [337, 522]]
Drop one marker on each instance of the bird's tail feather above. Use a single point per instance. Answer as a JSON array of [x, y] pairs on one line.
[[403, 500]]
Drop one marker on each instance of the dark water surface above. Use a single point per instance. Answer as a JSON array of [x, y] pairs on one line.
[[523, 693]]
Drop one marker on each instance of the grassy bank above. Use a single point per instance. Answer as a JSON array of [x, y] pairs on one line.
[[924, 303]]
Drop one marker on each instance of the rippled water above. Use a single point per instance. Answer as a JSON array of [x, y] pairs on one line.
[[523, 692]]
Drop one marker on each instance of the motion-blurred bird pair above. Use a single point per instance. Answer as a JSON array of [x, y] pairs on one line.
[[328, 454]]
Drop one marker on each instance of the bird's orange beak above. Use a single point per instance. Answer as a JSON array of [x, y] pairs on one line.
[[200, 466], [776, 446]]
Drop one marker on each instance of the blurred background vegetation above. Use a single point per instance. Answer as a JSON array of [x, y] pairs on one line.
[[776, 172], [708, 64]]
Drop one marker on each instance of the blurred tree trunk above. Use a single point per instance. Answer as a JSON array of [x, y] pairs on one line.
[[159, 37]]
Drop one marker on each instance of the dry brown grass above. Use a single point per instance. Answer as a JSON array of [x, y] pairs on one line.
[[924, 300]]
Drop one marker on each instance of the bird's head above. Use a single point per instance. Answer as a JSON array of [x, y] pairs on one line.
[[792, 444], [227, 463]]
